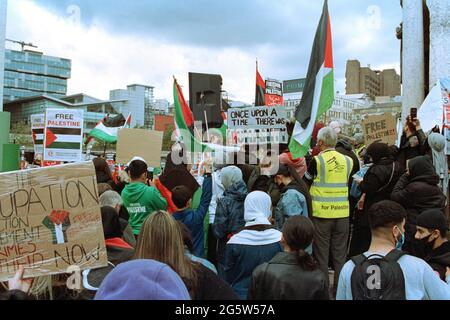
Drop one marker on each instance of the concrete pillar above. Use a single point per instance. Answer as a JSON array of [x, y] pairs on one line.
[[412, 56], [439, 40], [3, 4]]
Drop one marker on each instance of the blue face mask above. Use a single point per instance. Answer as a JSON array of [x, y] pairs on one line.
[[400, 242]]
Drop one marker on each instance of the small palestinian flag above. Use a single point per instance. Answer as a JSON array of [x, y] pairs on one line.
[[38, 136], [107, 129], [260, 89], [63, 138], [318, 93]]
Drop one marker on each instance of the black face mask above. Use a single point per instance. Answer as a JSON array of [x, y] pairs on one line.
[[427, 246]]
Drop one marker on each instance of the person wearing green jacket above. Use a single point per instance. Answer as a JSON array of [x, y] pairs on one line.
[[139, 198]]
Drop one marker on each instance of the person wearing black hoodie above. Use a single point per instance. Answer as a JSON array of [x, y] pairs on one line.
[[432, 229], [417, 190], [377, 185]]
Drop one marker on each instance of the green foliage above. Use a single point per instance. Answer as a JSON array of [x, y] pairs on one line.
[[167, 138]]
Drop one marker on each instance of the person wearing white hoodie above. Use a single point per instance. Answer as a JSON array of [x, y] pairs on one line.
[[257, 243]]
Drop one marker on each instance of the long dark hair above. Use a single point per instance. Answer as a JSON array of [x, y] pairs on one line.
[[102, 166], [298, 232]]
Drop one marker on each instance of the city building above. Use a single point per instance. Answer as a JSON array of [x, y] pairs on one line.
[[2, 47], [137, 100], [161, 105], [31, 73], [371, 82], [163, 122], [94, 109], [343, 111]]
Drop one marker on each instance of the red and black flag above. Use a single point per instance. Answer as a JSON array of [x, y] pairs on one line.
[[260, 89]]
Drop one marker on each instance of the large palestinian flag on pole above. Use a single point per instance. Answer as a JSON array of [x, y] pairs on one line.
[[318, 93], [107, 129], [260, 89]]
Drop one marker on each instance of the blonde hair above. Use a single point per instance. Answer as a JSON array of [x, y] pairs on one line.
[[161, 239]]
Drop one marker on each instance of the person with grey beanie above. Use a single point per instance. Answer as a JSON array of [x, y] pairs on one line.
[[230, 210], [436, 142]]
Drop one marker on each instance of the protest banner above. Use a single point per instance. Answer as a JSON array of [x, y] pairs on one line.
[[445, 94], [37, 132], [141, 143], [274, 93], [50, 220], [257, 125], [63, 137], [380, 128]]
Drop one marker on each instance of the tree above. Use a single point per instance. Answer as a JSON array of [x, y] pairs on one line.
[[167, 138]]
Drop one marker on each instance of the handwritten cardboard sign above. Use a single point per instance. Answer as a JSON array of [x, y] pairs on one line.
[[380, 128], [50, 220], [139, 143], [257, 118]]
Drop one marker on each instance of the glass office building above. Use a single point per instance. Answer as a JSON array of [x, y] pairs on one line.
[[30, 73]]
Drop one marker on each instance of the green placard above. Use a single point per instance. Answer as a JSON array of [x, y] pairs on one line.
[[294, 86], [9, 157]]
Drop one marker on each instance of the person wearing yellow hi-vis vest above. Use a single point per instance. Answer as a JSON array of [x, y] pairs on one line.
[[328, 175]]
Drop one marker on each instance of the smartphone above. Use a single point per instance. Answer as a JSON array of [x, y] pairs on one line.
[[413, 113]]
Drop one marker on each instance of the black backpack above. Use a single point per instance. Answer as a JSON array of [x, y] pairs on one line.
[[379, 278]]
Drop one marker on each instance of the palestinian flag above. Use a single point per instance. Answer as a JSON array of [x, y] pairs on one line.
[[184, 123], [106, 130], [260, 89], [63, 138], [38, 136], [318, 93]]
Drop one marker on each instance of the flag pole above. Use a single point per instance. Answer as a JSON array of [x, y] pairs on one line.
[[104, 150]]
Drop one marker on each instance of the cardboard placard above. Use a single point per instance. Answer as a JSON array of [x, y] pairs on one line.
[[50, 220], [380, 128], [63, 139], [139, 143], [257, 118]]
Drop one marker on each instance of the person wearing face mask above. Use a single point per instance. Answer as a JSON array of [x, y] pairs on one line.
[[417, 190], [432, 228], [329, 175], [295, 198], [400, 276]]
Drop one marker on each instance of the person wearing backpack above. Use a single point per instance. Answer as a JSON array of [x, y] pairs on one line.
[[386, 273]]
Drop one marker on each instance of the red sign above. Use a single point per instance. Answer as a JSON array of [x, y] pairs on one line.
[[273, 100], [50, 163]]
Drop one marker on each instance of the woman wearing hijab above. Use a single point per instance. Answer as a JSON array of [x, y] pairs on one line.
[[417, 190], [257, 243], [229, 217], [377, 185], [436, 142]]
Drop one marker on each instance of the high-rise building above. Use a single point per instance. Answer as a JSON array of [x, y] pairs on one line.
[[2, 47], [30, 73], [371, 82], [137, 100]]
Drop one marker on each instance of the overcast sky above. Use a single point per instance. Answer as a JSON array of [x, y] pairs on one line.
[[113, 43]]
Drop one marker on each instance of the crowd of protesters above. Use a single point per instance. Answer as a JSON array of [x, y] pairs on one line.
[[244, 231]]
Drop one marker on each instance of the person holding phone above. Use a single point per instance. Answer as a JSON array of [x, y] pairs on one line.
[[412, 143]]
